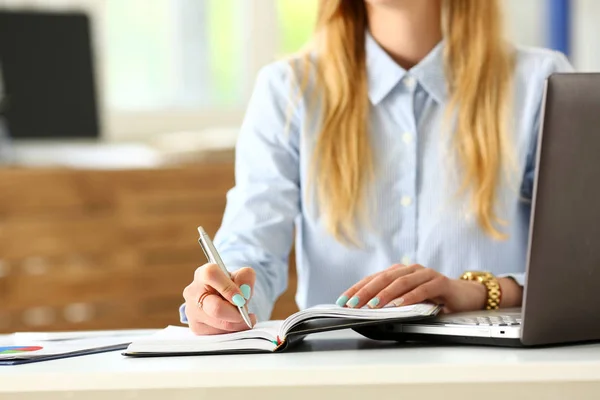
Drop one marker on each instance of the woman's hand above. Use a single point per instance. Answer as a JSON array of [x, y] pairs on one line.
[[211, 300], [405, 285]]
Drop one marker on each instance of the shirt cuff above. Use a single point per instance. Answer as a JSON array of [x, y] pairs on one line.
[[182, 317], [518, 277]]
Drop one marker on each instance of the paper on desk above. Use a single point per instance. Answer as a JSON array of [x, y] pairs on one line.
[[60, 336], [27, 350]]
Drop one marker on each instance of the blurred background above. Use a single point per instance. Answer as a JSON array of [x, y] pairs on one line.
[[118, 120]]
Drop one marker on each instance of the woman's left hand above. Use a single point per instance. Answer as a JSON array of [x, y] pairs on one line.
[[405, 285]]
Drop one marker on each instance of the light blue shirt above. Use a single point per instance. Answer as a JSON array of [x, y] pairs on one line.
[[415, 213]]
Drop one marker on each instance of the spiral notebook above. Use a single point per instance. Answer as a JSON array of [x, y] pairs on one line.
[[274, 336]]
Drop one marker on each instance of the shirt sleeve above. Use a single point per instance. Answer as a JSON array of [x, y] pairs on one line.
[[182, 317], [559, 63], [556, 64], [258, 224]]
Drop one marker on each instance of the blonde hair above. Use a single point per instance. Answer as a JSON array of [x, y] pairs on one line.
[[479, 68]]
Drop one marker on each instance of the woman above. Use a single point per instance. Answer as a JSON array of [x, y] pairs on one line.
[[401, 148]]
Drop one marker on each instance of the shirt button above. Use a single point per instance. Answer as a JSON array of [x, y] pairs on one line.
[[406, 201], [407, 138], [410, 82], [406, 260]]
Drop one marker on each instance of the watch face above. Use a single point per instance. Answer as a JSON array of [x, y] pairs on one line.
[[477, 275]]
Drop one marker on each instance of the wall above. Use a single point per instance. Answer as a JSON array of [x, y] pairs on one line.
[[586, 52], [526, 24]]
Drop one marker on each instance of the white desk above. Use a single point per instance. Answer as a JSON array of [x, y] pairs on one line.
[[337, 370]]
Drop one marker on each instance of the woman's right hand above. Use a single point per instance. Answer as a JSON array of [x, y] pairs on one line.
[[217, 313]]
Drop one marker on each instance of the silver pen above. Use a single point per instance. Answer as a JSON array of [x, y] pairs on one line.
[[211, 253]]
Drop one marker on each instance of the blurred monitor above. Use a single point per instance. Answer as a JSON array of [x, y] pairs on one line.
[[47, 78]]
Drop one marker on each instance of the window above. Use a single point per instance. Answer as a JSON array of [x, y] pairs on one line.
[[175, 54], [186, 54], [168, 65], [296, 20]]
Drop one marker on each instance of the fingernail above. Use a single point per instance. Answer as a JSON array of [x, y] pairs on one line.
[[398, 302], [341, 301], [374, 302], [246, 291], [353, 302], [238, 300]]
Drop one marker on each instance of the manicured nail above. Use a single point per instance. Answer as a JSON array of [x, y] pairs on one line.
[[353, 302], [341, 301], [238, 300], [394, 303], [398, 302], [374, 302], [246, 291]]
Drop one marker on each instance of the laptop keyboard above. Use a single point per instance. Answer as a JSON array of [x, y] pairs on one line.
[[494, 320]]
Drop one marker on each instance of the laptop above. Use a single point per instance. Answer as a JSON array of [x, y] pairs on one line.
[[561, 299]]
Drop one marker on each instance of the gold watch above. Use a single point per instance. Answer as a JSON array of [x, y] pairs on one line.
[[494, 293]]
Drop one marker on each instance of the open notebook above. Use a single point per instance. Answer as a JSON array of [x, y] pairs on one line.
[[271, 336]]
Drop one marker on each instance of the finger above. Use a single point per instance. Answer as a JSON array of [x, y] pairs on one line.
[[245, 278], [211, 326], [231, 326], [348, 294], [214, 306], [222, 315], [379, 282], [369, 294], [431, 290], [211, 276], [200, 328], [394, 292]]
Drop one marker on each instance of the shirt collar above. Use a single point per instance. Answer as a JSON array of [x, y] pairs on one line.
[[384, 73]]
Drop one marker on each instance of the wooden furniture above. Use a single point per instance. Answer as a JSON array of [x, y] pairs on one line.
[[89, 249], [340, 366]]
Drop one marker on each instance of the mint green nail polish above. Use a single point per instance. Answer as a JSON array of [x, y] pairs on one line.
[[353, 302], [238, 300], [374, 302], [246, 291], [341, 301]]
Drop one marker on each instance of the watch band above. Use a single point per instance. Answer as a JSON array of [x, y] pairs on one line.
[[494, 292]]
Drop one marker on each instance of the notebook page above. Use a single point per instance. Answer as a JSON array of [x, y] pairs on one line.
[[335, 311], [265, 330], [178, 338]]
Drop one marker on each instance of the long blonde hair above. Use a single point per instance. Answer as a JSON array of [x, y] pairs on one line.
[[478, 66]]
